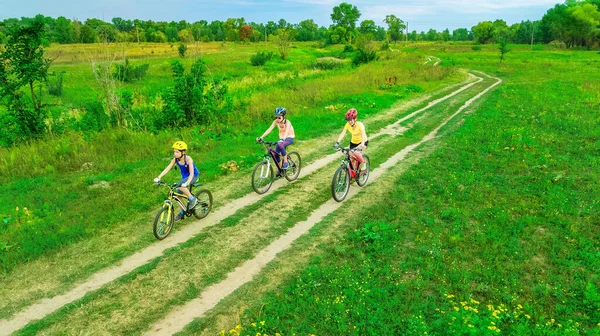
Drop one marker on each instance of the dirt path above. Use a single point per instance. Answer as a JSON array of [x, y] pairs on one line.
[[48, 305], [179, 318], [432, 59]]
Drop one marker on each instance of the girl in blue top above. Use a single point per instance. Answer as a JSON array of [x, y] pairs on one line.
[[189, 173]]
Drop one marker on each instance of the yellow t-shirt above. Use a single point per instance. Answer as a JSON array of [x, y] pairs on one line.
[[356, 132]]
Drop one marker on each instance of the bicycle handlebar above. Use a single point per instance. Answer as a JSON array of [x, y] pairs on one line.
[[348, 150], [268, 143]]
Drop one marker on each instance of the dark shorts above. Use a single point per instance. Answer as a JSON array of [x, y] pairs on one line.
[[353, 145], [180, 183]]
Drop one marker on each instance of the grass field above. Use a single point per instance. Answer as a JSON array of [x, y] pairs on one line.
[[491, 228]]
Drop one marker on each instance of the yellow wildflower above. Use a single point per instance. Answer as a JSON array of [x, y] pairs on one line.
[[262, 322]]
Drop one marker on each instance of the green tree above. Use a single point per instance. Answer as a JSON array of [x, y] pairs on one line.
[[22, 64], [502, 37], [182, 49], [446, 35], [483, 32], [63, 31], [283, 41], [432, 35], [588, 21], [368, 27], [186, 36], [395, 27], [88, 34], [460, 34], [345, 16], [308, 30]]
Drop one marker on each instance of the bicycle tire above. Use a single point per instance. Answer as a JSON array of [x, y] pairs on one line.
[[257, 180], [340, 184], [364, 176], [163, 222], [295, 165], [204, 203]]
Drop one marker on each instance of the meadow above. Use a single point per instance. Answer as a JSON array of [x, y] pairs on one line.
[[65, 199], [492, 228], [495, 233]]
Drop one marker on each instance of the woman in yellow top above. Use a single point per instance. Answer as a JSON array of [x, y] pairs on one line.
[[286, 134], [359, 138]]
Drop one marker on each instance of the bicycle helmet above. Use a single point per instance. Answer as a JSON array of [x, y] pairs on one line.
[[351, 114], [280, 111], [180, 145]]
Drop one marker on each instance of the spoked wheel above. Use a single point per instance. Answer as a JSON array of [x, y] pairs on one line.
[[295, 164], [163, 223], [363, 176], [262, 177], [340, 184], [204, 203]]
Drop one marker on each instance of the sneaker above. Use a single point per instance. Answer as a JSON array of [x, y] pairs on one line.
[[363, 166], [180, 216], [286, 165], [278, 175], [192, 202]]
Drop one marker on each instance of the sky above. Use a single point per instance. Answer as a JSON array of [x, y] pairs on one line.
[[421, 15]]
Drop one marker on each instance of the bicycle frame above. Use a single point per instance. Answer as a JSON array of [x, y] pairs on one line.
[[347, 161], [271, 154]]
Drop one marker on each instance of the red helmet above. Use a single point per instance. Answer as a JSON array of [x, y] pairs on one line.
[[351, 114]]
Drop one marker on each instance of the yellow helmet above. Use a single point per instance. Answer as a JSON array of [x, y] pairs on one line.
[[180, 145]]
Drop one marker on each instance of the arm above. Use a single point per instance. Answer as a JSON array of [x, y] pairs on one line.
[[268, 130], [364, 136], [190, 163], [164, 172], [341, 135]]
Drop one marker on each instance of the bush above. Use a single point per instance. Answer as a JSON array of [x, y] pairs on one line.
[[182, 50], [328, 64], [362, 57], [348, 49], [55, 86], [385, 46], [94, 118], [476, 47], [261, 58], [556, 44], [129, 73]]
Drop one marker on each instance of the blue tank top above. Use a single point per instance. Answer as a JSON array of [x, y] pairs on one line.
[[185, 170]]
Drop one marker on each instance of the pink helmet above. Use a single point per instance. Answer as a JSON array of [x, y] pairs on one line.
[[351, 114]]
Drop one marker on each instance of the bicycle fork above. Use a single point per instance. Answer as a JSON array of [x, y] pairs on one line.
[[264, 170]]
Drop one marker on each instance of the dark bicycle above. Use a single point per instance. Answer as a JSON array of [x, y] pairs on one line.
[[346, 172], [163, 223], [262, 175]]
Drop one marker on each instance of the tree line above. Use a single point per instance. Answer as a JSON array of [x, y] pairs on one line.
[[574, 23]]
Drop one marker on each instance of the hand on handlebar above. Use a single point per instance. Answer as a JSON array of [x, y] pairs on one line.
[[156, 180], [259, 140], [336, 146]]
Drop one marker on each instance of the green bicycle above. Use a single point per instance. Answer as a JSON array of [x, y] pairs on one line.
[[163, 223]]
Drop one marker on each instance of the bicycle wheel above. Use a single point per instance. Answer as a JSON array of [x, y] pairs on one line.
[[363, 176], [340, 184], [262, 177], [204, 203], [163, 223], [295, 164]]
